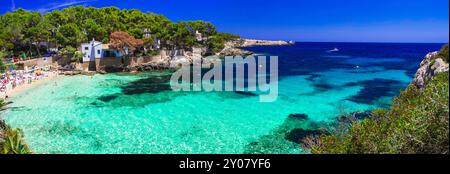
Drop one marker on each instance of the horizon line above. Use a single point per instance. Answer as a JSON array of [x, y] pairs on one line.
[[391, 42]]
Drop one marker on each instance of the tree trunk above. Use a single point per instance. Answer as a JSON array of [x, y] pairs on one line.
[[38, 51], [30, 49]]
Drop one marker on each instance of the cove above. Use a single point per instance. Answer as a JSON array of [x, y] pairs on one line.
[[123, 113]]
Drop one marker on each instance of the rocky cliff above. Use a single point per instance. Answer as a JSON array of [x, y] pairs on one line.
[[432, 65], [232, 47], [253, 42], [174, 60]]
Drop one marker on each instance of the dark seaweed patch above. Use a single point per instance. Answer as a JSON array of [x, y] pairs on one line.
[[253, 143], [60, 128], [108, 98], [152, 84], [313, 77], [374, 90], [277, 141], [93, 140], [245, 93], [19, 108], [322, 87], [97, 105]]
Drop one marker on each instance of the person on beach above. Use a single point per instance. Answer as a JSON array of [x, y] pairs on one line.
[[14, 83]]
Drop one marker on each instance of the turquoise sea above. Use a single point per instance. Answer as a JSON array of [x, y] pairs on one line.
[[124, 113]]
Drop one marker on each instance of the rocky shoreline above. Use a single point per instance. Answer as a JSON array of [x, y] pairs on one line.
[[233, 48], [151, 66], [253, 42], [173, 59], [432, 65]]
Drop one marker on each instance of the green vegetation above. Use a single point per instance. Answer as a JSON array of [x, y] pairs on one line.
[[432, 62], [443, 53], [11, 140], [416, 123], [33, 33], [72, 53], [6, 66], [152, 53]]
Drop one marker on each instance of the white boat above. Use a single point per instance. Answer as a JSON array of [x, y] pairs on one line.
[[334, 50]]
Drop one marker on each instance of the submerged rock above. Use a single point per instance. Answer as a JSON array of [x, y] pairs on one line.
[[355, 116], [298, 116], [71, 73], [253, 143], [151, 66], [297, 135], [286, 138], [108, 98]]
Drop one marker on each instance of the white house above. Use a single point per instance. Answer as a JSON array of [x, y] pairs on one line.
[[91, 50], [97, 50], [156, 42], [198, 36], [147, 33]]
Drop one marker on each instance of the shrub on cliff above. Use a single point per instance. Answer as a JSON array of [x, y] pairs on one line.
[[416, 123], [228, 36], [13, 142], [443, 53], [216, 43]]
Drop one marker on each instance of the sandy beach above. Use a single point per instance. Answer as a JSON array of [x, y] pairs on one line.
[[19, 89]]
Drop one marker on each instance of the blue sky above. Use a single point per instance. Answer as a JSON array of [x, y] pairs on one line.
[[300, 20]]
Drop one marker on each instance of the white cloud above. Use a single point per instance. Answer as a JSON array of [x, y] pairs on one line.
[[57, 5], [13, 5]]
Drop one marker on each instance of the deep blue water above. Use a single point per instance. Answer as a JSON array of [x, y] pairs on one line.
[[316, 59], [314, 56]]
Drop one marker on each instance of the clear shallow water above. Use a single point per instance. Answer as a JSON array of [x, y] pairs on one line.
[[138, 113]]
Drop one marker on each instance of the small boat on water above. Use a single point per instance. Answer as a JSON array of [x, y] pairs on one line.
[[333, 50], [291, 42]]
